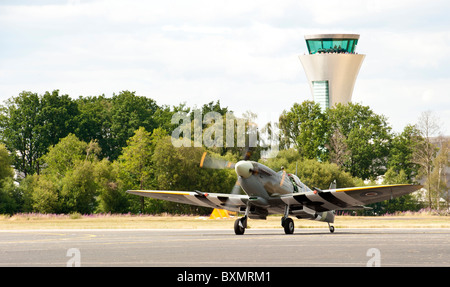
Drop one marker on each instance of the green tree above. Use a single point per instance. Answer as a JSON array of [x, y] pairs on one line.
[[59, 117], [21, 126], [63, 156], [94, 123], [401, 154], [52, 191], [136, 159], [305, 127], [209, 123], [5, 163], [367, 136], [10, 197], [45, 194], [320, 175], [74, 180], [110, 197], [177, 168], [128, 113], [163, 116], [79, 188], [392, 176], [8, 191], [24, 194], [214, 107], [352, 136], [134, 164], [286, 158], [31, 123]]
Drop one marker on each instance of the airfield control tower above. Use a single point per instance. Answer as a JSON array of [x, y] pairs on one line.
[[331, 67]]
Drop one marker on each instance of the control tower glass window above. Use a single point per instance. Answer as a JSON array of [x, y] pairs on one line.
[[341, 46]]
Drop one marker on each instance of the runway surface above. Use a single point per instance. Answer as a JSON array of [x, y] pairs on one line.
[[256, 248]]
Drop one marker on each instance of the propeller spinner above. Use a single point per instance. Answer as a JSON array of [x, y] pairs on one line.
[[244, 168]]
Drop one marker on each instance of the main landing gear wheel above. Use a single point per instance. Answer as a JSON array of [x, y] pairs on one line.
[[239, 225], [288, 225]]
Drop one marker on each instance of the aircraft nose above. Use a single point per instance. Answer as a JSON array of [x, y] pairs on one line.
[[244, 168]]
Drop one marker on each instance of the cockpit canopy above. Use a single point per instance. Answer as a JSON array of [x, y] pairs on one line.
[[298, 185]]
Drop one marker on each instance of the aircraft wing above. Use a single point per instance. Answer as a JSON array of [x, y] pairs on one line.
[[348, 198], [318, 200], [232, 202]]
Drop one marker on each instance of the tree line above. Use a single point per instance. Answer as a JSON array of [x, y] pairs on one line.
[[363, 144], [81, 155], [64, 155]]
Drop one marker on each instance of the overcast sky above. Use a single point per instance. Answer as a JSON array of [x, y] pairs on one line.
[[243, 53]]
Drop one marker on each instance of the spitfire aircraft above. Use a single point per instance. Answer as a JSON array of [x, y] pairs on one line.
[[270, 192]]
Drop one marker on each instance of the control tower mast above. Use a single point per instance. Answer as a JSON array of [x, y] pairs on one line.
[[331, 67]]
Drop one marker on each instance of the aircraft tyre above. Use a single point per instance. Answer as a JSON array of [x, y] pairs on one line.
[[331, 228], [288, 226], [239, 228]]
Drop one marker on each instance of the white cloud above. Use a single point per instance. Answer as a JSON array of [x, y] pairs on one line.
[[403, 101], [243, 53]]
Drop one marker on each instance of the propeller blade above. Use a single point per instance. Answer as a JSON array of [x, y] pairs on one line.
[[248, 154], [235, 190], [215, 163], [248, 151]]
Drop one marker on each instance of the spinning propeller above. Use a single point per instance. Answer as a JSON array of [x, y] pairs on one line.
[[242, 167], [208, 161]]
